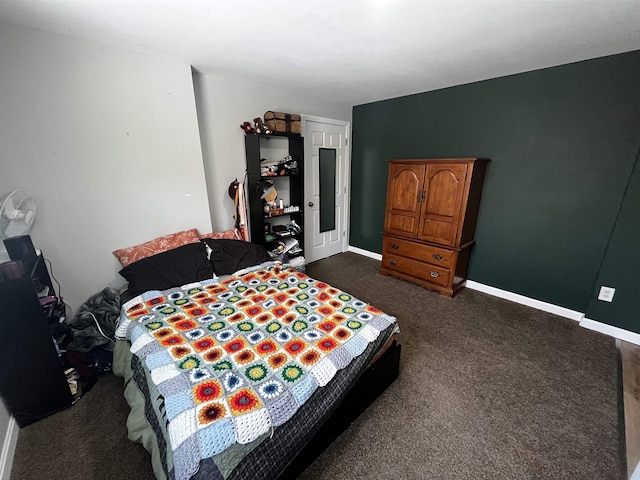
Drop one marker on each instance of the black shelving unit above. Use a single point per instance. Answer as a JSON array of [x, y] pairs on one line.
[[266, 146], [33, 384]]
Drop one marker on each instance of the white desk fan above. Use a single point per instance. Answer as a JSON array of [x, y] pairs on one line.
[[17, 215]]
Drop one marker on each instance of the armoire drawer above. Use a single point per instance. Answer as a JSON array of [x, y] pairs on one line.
[[415, 268], [418, 251]]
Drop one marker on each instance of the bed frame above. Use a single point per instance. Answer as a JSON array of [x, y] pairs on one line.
[[369, 386]]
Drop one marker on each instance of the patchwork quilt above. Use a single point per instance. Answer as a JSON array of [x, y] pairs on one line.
[[236, 357]]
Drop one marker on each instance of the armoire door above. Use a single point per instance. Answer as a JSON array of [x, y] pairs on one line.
[[444, 186], [404, 196]]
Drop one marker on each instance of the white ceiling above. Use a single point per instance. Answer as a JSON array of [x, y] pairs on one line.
[[349, 51]]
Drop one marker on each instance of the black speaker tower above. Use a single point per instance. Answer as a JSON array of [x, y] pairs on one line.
[[21, 248]]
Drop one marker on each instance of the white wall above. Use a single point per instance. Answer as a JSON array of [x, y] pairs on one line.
[[107, 141], [223, 104], [9, 437]]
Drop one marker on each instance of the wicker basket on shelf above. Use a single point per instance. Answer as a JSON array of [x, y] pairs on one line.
[[279, 122]]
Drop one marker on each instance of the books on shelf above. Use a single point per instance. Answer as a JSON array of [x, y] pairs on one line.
[[288, 245]]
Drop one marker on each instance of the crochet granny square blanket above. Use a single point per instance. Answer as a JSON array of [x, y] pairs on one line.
[[236, 357]]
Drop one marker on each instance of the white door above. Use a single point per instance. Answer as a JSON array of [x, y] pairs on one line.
[[323, 133]]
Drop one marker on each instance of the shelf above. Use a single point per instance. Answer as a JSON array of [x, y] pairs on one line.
[[286, 234], [283, 236], [297, 253], [275, 135], [269, 177], [290, 185], [282, 215]]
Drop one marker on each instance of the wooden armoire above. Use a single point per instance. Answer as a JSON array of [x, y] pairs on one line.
[[430, 220]]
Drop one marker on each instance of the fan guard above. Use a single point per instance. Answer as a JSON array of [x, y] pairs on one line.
[[17, 213]]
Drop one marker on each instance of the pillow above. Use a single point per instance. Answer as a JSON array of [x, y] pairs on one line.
[[173, 268], [229, 256], [232, 234], [157, 245]]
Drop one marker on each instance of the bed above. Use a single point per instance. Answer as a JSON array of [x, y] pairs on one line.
[[249, 368]]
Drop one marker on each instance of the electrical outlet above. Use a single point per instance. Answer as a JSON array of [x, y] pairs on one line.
[[606, 294]]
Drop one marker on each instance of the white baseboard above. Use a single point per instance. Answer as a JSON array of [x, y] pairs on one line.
[[610, 330], [8, 449], [365, 253], [530, 302]]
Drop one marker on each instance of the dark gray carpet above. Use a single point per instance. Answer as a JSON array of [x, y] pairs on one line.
[[487, 389]]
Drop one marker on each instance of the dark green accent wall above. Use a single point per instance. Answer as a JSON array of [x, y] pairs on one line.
[[562, 143], [621, 266]]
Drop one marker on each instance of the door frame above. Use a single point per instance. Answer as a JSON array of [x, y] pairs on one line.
[[347, 165]]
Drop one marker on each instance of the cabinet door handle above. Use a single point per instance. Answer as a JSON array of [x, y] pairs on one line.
[[395, 245], [393, 262], [437, 256], [435, 274]]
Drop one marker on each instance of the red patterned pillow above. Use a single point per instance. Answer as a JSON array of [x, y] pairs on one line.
[[232, 234], [157, 245]]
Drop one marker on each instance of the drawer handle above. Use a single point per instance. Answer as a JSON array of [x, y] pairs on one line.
[[435, 274], [395, 245], [393, 262], [437, 256]]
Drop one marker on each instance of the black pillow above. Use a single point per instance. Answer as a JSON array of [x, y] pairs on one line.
[[229, 256], [173, 268]]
